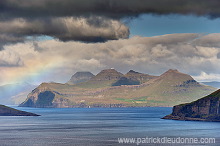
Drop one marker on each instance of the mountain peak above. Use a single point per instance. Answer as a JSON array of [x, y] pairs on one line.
[[173, 75], [80, 77], [108, 74], [82, 74], [173, 72], [133, 72]]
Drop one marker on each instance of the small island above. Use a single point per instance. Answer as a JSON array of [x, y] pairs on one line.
[[204, 109], [8, 111]]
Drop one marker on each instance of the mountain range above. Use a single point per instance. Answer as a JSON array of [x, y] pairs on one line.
[[110, 88], [14, 94]]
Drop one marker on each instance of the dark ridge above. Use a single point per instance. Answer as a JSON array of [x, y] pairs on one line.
[[132, 71], [125, 81]]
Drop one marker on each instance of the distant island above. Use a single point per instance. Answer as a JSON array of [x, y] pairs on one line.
[[16, 93], [110, 88], [8, 111], [204, 109]]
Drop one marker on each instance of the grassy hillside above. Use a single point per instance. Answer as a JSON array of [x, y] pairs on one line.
[[169, 89]]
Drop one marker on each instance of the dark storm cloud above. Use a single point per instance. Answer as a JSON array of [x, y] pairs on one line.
[[87, 20], [6, 39], [67, 28], [110, 8]]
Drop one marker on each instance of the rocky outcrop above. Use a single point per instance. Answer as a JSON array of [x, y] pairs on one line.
[[7, 111], [205, 109], [80, 77]]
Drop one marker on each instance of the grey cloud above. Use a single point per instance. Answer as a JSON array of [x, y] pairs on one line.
[[149, 54], [218, 55], [10, 59], [67, 28], [157, 54], [37, 47], [110, 8], [6, 39], [210, 40], [87, 20]]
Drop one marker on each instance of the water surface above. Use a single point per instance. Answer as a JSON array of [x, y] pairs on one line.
[[97, 126]]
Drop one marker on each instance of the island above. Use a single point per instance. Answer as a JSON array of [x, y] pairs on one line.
[[111, 88], [8, 111]]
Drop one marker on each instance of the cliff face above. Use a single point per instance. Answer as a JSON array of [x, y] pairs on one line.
[[45, 97], [7, 111], [205, 109]]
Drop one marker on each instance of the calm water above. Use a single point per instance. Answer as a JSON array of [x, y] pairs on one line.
[[97, 126]]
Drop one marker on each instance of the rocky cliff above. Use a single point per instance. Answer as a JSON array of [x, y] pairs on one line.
[[45, 96], [7, 111], [205, 109]]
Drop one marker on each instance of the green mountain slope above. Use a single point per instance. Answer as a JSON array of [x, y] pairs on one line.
[[136, 76], [169, 89]]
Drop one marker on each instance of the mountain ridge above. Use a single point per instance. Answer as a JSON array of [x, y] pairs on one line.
[[168, 89]]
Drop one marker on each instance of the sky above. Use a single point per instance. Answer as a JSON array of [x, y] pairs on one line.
[[50, 40]]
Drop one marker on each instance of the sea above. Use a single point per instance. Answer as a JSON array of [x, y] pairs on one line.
[[104, 127]]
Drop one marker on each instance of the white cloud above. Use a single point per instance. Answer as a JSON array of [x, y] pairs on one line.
[[207, 77], [152, 55]]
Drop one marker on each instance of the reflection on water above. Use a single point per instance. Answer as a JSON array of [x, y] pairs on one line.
[[97, 126]]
